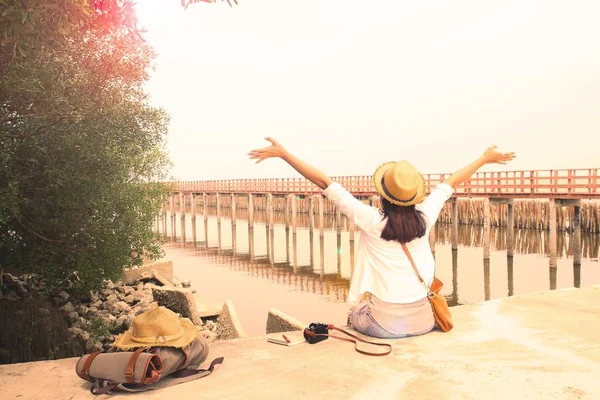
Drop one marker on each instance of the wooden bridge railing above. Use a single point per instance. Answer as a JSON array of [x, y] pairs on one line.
[[561, 183]]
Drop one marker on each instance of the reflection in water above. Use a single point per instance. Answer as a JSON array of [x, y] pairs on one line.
[[291, 250]]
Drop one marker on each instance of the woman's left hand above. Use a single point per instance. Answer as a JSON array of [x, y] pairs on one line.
[[275, 150]]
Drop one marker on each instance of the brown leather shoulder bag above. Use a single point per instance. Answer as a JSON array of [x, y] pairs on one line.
[[439, 305]]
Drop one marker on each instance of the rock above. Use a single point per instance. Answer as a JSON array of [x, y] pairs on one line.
[[138, 296], [73, 316], [180, 301], [186, 283], [210, 325], [8, 279], [120, 307], [93, 309], [44, 312], [91, 347], [94, 297], [83, 310], [124, 321], [106, 293], [129, 299], [209, 336], [109, 319], [140, 286], [109, 285], [64, 295], [112, 297], [128, 290], [67, 308], [136, 310], [149, 285]]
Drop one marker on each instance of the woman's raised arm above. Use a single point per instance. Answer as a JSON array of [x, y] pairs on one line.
[[277, 150], [490, 156]]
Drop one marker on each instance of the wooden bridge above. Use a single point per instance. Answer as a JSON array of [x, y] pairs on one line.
[[544, 184]]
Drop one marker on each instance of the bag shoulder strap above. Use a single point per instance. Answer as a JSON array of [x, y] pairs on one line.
[[412, 262]]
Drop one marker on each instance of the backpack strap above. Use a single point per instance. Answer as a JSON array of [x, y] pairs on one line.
[[130, 369], [85, 371]]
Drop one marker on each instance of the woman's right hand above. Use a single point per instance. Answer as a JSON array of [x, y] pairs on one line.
[[492, 156]]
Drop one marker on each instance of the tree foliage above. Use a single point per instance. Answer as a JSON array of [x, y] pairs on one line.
[[81, 147]]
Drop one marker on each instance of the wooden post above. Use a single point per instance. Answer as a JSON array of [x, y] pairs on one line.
[[577, 246], [193, 218], [251, 242], [311, 229], [338, 228], [218, 201], [455, 277], [250, 210], [552, 239], [233, 238], [205, 216], [233, 210], [486, 278], [510, 275], [294, 204], [182, 208], [270, 229], [510, 230], [577, 235], [454, 234], [321, 238], [173, 219], [486, 229]]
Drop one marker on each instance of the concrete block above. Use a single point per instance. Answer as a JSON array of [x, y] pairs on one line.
[[278, 321], [164, 268], [178, 300], [228, 324]]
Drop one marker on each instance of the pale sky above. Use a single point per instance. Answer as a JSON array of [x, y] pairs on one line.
[[347, 85]]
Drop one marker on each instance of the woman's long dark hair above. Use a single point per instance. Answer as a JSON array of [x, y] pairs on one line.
[[403, 223]]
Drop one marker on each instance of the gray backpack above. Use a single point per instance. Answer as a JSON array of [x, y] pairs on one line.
[[145, 369]]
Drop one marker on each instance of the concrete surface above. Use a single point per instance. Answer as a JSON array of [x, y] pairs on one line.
[[540, 346], [277, 321]]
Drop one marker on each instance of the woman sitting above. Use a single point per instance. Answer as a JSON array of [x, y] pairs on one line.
[[392, 301]]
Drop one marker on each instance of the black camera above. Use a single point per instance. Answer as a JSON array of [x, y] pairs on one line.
[[316, 332]]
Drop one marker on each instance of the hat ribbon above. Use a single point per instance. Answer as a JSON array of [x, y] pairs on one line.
[[387, 192]]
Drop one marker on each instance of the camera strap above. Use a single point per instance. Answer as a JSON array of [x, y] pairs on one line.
[[332, 327]]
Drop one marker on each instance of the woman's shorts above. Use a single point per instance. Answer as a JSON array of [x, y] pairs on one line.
[[380, 319]]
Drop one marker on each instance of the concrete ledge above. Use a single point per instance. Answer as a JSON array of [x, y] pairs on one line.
[[278, 321], [164, 268], [542, 346]]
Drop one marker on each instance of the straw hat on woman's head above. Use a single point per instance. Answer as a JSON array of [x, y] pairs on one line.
[[400, 183], [159, 327]]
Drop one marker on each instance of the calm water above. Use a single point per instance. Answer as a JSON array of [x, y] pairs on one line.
[[321, 264]]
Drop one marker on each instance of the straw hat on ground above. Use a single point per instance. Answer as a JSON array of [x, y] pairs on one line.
[[400, 183], [159, 327]]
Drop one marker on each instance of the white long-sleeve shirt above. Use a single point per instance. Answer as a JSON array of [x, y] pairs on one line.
[[381, 267]]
